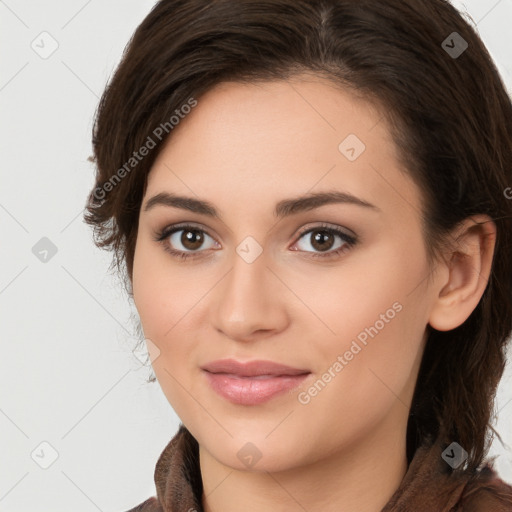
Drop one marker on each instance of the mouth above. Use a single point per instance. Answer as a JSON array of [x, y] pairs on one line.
[[252, 383], [252, 368]]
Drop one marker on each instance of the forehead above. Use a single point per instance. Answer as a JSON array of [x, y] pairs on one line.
[[252, 143]]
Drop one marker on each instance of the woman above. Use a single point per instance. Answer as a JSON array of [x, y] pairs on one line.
[[309, 200]]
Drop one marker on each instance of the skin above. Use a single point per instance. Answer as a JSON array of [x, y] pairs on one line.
[[244, 148]]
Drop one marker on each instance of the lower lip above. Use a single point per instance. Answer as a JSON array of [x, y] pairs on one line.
[[252, 390]]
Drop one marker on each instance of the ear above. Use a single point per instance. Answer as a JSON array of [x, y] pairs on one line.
[[467, 266]]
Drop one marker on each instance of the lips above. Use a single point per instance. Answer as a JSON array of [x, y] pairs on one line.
[[251, 368], [252, 383]]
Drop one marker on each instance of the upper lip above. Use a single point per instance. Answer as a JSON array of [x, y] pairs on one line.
[[251, 368]]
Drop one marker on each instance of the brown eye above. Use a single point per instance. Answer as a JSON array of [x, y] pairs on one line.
[[322, 239], [191, 239], [185, 240]]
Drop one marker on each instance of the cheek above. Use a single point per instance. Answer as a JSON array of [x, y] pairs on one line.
[[160, 292], [373, 320], [145, 296], [365, 297], [160, 302], [168, 302]]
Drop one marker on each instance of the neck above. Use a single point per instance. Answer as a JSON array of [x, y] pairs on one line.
[[361, 477]]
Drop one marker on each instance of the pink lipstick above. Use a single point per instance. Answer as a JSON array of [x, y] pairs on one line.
[[254, 382]]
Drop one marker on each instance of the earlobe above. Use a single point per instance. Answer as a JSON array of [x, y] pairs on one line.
[[468, 265]]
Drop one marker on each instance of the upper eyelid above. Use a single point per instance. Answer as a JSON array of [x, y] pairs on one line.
[[327, 226]]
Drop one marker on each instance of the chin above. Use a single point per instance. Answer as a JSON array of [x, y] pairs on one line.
[[254, 450]]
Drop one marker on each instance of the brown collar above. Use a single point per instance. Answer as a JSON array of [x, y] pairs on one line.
[[429, 485]]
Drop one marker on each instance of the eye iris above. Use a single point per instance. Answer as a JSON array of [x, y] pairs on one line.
[[320, 238], [192, 239]]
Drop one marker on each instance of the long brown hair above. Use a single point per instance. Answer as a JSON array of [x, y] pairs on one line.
[[451, 120]]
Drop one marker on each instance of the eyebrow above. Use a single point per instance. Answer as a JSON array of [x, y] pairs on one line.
[[283, 208]]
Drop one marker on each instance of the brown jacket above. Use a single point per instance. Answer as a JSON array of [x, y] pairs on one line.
[[428, 486]]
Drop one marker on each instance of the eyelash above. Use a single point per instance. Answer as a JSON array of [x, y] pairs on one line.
[[163, 235]]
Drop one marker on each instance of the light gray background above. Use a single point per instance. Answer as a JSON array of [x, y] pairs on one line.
[[68, 375]]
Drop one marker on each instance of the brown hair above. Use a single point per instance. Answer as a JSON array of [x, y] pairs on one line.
[[451, 119]]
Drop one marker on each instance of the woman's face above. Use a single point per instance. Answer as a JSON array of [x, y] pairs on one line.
[[265, 279]]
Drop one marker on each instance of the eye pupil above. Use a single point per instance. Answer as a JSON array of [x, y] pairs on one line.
[[192, 239], [320, 238]]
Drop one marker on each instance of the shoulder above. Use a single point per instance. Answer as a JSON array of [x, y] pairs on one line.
[[486, 492], [150, 505]]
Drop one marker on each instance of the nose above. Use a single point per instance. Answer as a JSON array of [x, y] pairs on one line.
[[250, 301]]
